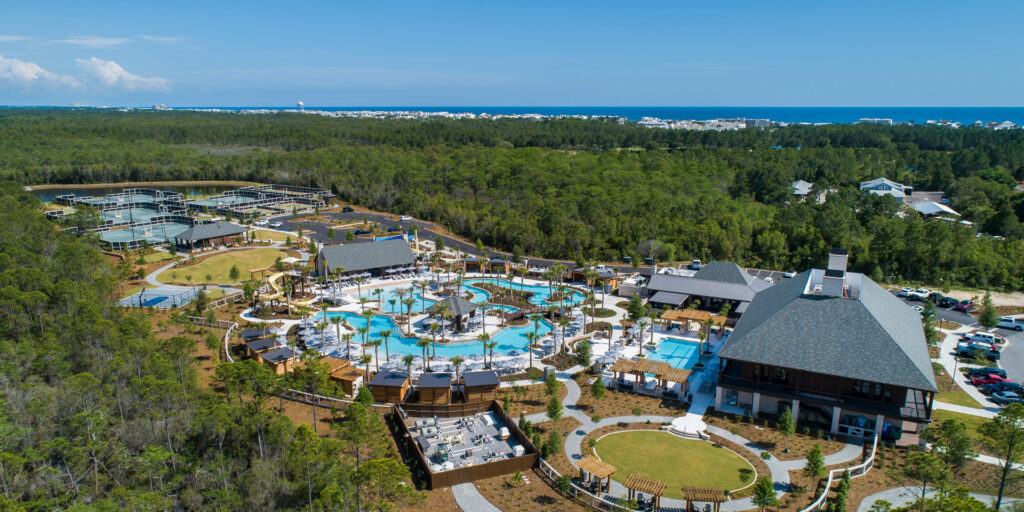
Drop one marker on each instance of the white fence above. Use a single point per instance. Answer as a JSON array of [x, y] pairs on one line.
[[855, 471], [595, 502]]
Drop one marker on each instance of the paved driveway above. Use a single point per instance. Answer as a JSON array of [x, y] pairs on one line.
[[1012, 358]]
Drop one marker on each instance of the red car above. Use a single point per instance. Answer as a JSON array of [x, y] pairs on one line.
[[978, 380]]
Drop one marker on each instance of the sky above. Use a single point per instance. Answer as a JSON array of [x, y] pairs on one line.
[[551, 53]]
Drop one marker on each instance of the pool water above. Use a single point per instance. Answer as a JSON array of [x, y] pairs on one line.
[[540, 293], [679, 353], [511, 338]]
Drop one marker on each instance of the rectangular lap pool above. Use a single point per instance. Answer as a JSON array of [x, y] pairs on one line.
[[679, 353]]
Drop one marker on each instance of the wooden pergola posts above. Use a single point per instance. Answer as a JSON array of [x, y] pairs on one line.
[[712, 495], [596, 469], [637, 483]]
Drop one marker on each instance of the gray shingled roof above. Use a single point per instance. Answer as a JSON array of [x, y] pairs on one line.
[[674, 299], [722, 280], [368, 256], [210, 230], [388, 378], [261, 344], [435, 380], [481, 378], [278, 354], [456, 305], [874, 337]]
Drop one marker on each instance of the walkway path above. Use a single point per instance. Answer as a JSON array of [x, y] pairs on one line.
[[901, 496], [470, 499]]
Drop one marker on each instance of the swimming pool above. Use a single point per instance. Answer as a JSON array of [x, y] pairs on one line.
[[679, 353], [510, 338], [540, 293]]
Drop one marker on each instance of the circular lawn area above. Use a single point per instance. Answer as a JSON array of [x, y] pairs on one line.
[[674, 460], [218, 267]]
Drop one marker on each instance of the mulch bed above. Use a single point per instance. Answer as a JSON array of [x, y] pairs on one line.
[[772, 440]]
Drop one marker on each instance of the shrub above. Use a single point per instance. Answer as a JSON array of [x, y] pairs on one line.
[[766, 455], [595, 418]]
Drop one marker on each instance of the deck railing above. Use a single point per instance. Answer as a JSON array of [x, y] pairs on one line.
[[855, 471]]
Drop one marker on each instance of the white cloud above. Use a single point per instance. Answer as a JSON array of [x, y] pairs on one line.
[[93, 41], [163, 39], [12, 38], [111, 74], [28, 73]]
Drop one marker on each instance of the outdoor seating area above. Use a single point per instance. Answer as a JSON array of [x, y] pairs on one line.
[[712, 496], [638, 485], [663, 374], [598, 474]]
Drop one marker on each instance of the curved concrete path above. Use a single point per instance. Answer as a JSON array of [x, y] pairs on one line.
[[902, 496], [469, 499]]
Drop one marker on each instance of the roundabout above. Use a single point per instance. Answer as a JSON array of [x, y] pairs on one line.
[[674, 460]]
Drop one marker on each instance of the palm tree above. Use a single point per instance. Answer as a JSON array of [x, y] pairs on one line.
[[531, 338], [385, 334], [424, 343], [362, 303], [365, 359], [490, 346], [376, 358], [483, 319], [408, 359], [561, 298], [322, 326], [378, 292], [287, 291], [367, 314], [521, 271], [457, 362], [563, 323], [359, 287], [484, 338], [392, 302], [409, 301], [592, 300], [347, 338], [433, 338], [422, 285]]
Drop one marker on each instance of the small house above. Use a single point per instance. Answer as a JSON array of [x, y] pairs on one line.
[[256, 347], [345, 374], [435, 388], [390, 386], [281, 360], [480, 386]]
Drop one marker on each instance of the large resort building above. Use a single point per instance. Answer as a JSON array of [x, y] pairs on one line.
[[715, 285], [835, 348], [370, 259]]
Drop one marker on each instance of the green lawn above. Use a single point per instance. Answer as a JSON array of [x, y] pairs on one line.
[[972, 422], [157, 256], [132, 290], [219, 266], [958, 397], [673, 460], [273, 236]]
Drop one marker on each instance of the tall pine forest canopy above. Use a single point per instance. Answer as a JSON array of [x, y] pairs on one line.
[[587, 190]]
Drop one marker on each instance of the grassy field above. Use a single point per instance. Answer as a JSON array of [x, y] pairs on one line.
[[950, 392], [273, 236], [133, 289], [218, 267], [972, 422], [673, 460], [156, 256]]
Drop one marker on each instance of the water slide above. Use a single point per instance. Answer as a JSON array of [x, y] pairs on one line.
[[277, 293]]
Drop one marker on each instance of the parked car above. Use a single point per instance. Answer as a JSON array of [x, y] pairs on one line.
[[978, 380], [965, 306], [988, 389], [695, 265], [983, 337], [362, 232], [404, 218], [924, 292], [262, 222], [919, 309], [770, 280], [977, 350], [276, 225], [947, 302], [1006, 397], [393, 229], [1009, 322], [789, 273], [347, 209], [986, 371], [904, 292], [916, 295]]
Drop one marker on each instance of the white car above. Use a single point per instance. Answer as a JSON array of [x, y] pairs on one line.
[[919, 309], [924, 292], [404, 218], [790, 273], [1009, 322], [905, 292], [770, 280], [276, 225], [262, 222]]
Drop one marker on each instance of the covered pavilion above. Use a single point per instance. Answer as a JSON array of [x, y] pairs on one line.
[[640, 368], [712, 495], [637, 483], [598, 470]]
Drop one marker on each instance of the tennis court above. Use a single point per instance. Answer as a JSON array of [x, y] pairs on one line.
[[162, 297]]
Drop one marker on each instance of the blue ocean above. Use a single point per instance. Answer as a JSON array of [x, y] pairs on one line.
[[919, 115]]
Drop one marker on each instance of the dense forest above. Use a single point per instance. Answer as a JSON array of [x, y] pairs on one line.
[[587, 190], [98, 413]]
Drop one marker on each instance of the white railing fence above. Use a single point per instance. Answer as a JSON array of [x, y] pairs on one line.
[[595, 502], [834, 475]]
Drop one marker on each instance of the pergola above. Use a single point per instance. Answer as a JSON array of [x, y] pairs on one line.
[[696, 315], [642, 484], [662, 371], [712, 495], [596, 469]]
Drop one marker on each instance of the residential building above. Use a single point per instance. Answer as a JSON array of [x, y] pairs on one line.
[[801, 188], [435, 388], [933, 209], [884, 187], [480, 386], [835, 348], [390, 386]]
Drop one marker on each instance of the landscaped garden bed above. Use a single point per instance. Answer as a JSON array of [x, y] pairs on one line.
[[762, 431], [623, 403]]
